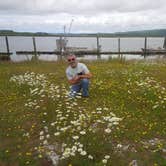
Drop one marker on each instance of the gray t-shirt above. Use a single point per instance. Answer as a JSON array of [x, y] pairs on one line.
[[72, 72]]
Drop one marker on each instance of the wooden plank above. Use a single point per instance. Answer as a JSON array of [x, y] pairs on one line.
[[7, 46], [5, 53], [93, 52], [119, 47], [34, 46], [78, 35], [98, 47], [38, 52], [145, 47], [88, 52]]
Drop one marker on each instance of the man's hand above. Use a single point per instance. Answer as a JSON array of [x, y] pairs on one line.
[[75, 80], [89, 75]]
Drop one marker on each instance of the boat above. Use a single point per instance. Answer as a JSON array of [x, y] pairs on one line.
[[153, 50], [61, 45], [75, 49]]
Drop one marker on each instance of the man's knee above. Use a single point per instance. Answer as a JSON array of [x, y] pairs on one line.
[[85, 81]]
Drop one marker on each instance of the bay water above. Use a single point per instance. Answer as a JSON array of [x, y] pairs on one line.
[[49, 44]]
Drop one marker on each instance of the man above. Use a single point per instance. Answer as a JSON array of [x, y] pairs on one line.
[[78, 76]]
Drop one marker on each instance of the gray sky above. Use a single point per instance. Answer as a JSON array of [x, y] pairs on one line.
[[89, 16]]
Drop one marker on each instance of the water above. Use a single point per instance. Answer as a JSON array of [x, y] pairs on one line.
[[49, 44]]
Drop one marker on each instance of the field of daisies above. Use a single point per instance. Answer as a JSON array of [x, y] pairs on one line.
[[123, 122]]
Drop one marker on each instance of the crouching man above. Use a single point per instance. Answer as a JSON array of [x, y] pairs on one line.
[[78, 76]]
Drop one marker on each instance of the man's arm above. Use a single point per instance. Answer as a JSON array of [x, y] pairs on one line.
[[88, 75], [76, 79]]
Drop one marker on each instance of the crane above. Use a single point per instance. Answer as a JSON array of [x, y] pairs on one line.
[[70, 25], [65, 36]]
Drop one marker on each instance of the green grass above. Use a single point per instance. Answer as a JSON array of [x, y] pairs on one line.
[[133, 91]]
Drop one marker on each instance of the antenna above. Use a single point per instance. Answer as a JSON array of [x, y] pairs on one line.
[[63, 41], [64, 29], [64, 32], [70, 25]]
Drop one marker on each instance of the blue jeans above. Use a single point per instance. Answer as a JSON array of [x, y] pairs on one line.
[[84, 85]]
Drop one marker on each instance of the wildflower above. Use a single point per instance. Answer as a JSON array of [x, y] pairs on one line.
[[47, 136], [129, 91], [79, 149], [80, 145], [46, 128], [41, 137], [64, 145], [83, 153], [75, 137], [74, 148], [82, 132], [79, 97], [155, 106], [90, 157], [52, 124], [107, 157], [66, 153], [57, 133], [45, 113], [119, 146], [26, 134], [104, 161], [37, 107], [27, 162], [107, 130], [28, 154], [45, 142], [42, 132], [40, 156]]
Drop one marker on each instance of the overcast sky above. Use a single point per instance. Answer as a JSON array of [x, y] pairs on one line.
[[88, 16]]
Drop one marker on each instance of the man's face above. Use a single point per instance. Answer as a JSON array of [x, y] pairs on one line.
[[72, 61]]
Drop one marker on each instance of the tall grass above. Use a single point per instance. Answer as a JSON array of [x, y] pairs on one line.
[[122, 121]]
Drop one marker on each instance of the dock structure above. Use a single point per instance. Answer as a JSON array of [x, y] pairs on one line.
[[89, 52], [62, 48]]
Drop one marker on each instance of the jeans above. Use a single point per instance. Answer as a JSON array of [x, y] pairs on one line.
[[84, 85]]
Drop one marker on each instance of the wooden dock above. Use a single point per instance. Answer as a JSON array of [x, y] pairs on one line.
[[144, 52], [89, 52]]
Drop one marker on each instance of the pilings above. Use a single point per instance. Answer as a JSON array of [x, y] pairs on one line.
[[98, 47], [119, 55], [34, 47], [7, 46], [60, 52], [145, 47]]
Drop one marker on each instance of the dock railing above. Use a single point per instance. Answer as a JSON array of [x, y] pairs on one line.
[[144, 51]]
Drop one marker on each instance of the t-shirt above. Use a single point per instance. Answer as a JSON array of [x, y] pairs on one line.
[[72, 72]]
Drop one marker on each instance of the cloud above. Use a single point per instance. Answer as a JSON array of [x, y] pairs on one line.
[[88, 15], [78, 6]]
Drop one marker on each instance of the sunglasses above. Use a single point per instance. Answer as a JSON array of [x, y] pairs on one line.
[[72, 59]]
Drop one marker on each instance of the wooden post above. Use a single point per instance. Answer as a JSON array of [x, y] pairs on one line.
[[145, 47], [119, 47], [61, 49], [98, 47], [7, 46], [34, 46]]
